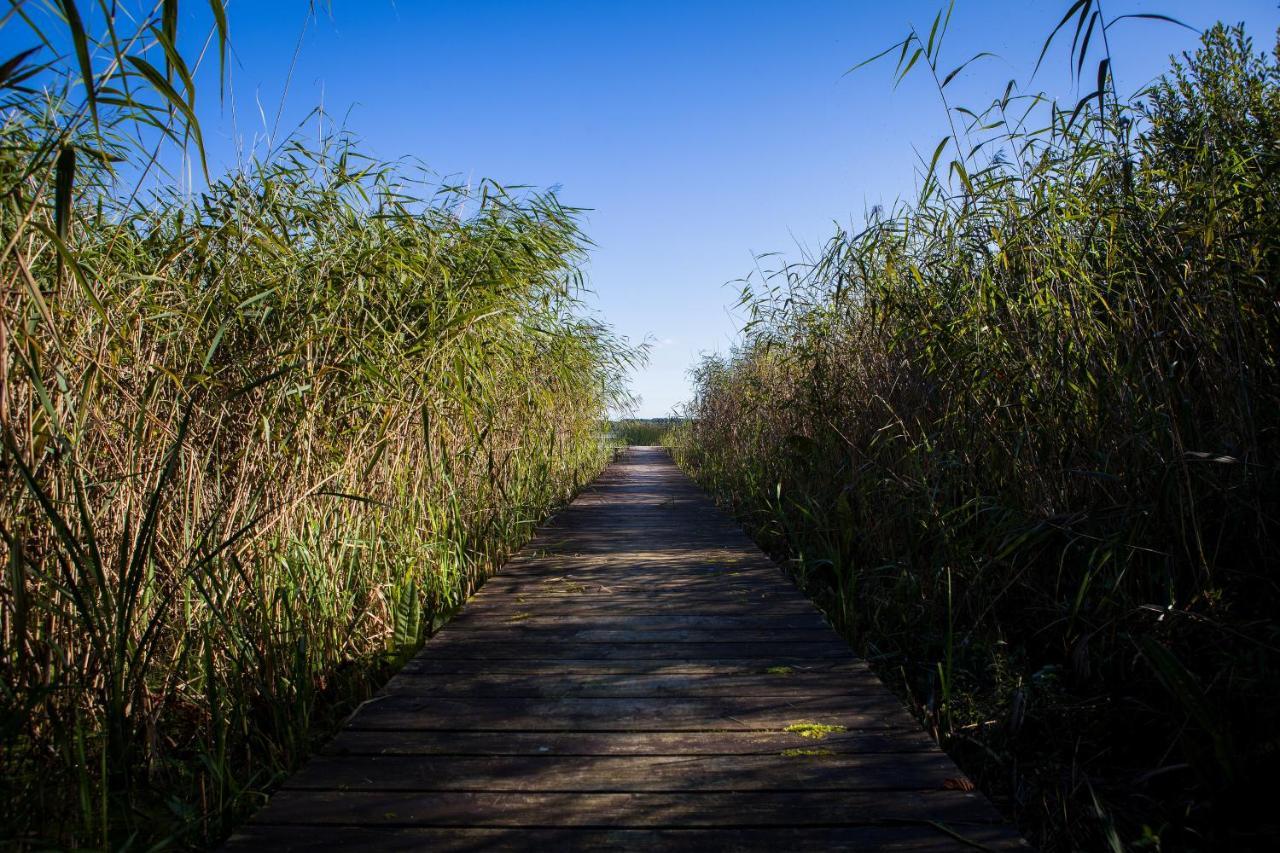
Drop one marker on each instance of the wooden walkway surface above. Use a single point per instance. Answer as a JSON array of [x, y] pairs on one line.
[[640, 676]]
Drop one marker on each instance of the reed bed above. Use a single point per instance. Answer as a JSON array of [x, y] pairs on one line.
[[1019, 439], [257, 441]]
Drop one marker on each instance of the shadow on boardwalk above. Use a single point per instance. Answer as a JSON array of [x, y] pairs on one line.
[[640, 676]]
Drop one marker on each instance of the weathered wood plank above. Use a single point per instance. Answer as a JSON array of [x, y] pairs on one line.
[[804, 767], [672, 570], [518, 632], [669, 580], [727, 599], [621, 810], [636, 678], [623, 714], [580, 607], [605, 618], [708, 667], [586, 684], [771, 743], [891, 839], [483, 648]]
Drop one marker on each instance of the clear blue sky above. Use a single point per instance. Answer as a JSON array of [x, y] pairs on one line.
[[699, 133]]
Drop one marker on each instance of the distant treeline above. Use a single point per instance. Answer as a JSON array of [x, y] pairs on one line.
[[641, 431]]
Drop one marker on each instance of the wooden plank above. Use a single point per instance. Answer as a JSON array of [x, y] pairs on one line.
[[805, 767], [473, 648], [623, 810], [668, 572], [519, 632], [686, 596], [655, 621], [646, 557], [891, 839], [621, 714], [771, 743], [486, 678], [679, 583], [676, 592], [588, 684], [710, 668], [700, 561], [601, 605]]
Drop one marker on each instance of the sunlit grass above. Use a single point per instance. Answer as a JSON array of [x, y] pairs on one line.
[[256, 441]]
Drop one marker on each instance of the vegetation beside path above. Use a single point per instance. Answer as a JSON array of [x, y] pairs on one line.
[[254, 439], [1019, 438]]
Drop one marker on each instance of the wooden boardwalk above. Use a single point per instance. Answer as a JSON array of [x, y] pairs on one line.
[[640, 676]]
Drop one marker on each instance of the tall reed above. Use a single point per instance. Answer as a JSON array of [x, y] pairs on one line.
[[1019, 437], [255, 442]]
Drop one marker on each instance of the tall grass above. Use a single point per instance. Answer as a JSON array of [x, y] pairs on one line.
[[255, 441], [1019, 437]]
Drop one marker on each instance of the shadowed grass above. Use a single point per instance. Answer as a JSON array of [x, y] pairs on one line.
[[1018, 437]]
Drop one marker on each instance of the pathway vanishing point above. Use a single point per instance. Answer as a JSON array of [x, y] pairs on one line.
[[640, 676]]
